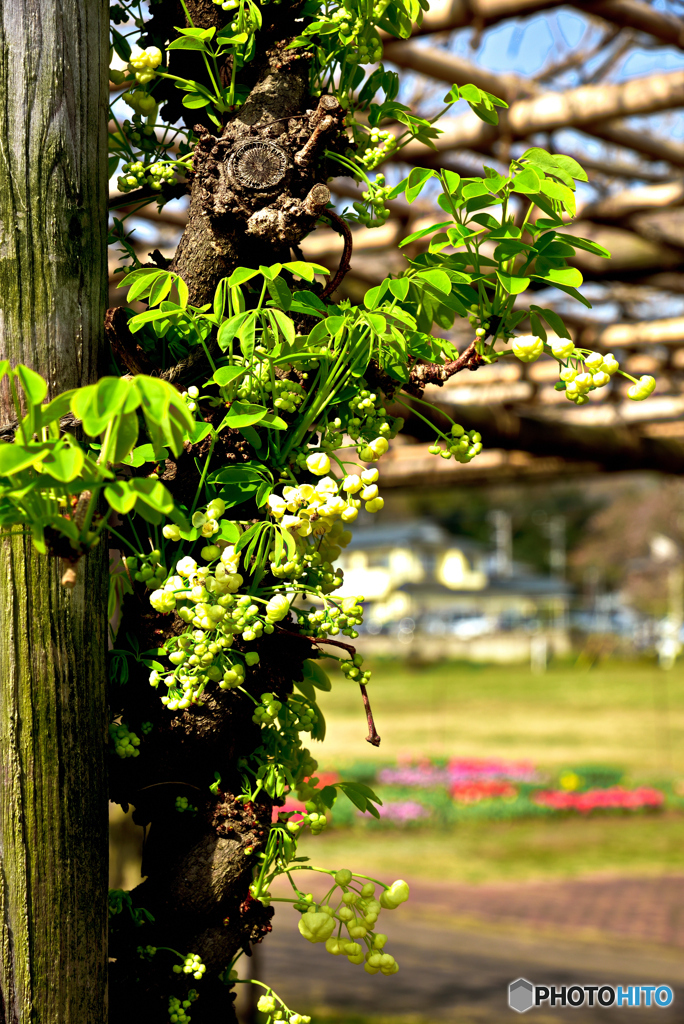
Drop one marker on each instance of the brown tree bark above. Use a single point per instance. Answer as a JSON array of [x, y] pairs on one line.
[[53, 278], [256, 191]]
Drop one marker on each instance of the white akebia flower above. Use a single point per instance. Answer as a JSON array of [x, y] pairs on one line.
[[610, 364], [333, 506], [562, 348], [593, 361], [379, 445], [349, 514], [645, 387], [199, 519], [216, 508], [277, 505], [351, 484], [174, 583], [567, 374], [162, 601], [318, 463], [171, 532], [370, 476], [277, 608], [601, 378], [186, 566], [209, 528], [234, 581], [328, 485], [305, 529], [375, 505], [290, 522], [229, 558], [527, 348]]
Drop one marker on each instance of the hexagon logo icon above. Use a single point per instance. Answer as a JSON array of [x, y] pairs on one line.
[[521, 995]]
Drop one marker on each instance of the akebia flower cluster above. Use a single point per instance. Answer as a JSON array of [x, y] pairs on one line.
[[125, 743], [582, 370], [348, 928]]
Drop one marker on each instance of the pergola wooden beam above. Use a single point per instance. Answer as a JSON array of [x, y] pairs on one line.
[[447, 15], [549, 111], [586, 108], [614, 448]]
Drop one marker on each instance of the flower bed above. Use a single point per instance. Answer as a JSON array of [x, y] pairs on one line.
[[615, 798], [442, 793]]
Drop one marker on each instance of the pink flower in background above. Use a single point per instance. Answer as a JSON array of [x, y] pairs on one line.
[[459, 770], [401, 813]]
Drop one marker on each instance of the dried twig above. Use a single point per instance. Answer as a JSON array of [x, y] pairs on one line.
[[342, 228], [372, 736]]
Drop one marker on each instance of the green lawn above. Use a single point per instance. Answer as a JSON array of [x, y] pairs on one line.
[[497, 851], [631, 715]]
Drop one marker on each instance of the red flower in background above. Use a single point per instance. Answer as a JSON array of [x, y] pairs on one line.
[[483, 789], [613, 798]]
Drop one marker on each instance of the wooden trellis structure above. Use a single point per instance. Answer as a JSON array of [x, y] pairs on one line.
[[628, 131]]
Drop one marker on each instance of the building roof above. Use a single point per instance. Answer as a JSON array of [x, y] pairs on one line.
[[414, 532]]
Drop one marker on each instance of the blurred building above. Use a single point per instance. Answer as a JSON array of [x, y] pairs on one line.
[[446, 596]]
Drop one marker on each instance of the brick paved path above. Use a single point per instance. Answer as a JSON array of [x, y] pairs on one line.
[[459, 947], [649, 910]]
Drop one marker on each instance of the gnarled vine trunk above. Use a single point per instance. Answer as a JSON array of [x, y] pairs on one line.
[[53, 279], [257, 189]]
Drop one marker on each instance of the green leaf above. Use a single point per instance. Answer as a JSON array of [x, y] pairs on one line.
[[33, 384], [243, 414], [271, 273], [568, 276], [64, 463], [229, 329], [571, 166], [273, 422], [187, 43], [564, 195], [97, 404], [527, 182], [160, 289], [474, 189], [554, 321], [286, 325], [306, 270], [438, 279], [452, 180], [373, 296], [15, 457], [315, 674], [512, 284], [142, 284], [199, 432], [588, 246], [192, 101], [240, 275], [121, 45], [573, 293], [423, 232], [225, 374], [144, 453], [228, 531], [417, 180], [306, 687], [126, 436], [399, 288]]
